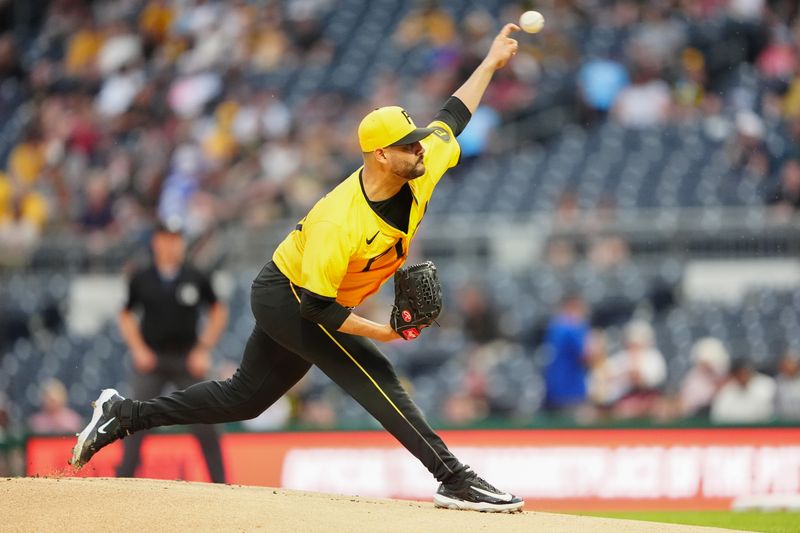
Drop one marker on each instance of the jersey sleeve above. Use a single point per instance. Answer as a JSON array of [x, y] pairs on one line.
[[455, 114], [134, 298], [326, 255], [207, 293], [441, 150]]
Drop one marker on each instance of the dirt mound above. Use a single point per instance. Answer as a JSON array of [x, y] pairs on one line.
[[146, 505]]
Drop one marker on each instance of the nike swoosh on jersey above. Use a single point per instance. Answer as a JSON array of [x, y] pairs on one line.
[[102, 428], [369, 241], [506, 497]]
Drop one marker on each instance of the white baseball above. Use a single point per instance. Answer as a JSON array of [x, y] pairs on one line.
[[531, 21]]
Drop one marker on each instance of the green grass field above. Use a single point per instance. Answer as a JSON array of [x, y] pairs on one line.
[[777, 522]]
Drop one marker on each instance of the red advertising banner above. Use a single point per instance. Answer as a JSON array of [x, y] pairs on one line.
[[573, 469]]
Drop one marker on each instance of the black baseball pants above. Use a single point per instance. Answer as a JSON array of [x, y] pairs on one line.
[[281, 349], [171, 369]]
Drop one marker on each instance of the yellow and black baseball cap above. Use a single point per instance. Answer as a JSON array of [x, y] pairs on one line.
[[389, 126]]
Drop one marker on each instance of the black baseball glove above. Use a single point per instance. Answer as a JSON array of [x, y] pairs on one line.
[[417, 299]]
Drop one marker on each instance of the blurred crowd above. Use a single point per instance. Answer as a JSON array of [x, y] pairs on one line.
[[580, 366], [572, 372], [132, 109], [587, 384]]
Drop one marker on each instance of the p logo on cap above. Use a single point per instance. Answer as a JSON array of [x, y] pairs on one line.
[[389, 126]]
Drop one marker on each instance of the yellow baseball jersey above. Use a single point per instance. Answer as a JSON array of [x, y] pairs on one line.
[[343, 249]]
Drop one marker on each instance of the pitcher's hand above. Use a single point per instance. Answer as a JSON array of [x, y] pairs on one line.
[[503, 47]]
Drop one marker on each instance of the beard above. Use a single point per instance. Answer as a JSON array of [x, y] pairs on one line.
[[412, 171]]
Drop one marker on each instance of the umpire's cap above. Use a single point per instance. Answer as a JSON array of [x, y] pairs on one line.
[[389, 126]]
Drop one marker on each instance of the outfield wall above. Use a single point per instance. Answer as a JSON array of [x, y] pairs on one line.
[[570, 469]]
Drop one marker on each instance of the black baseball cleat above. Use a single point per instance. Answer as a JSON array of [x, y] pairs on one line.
[[473, 493], [103, 429]]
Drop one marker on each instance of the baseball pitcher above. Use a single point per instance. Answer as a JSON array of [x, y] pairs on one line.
[[350, 243]]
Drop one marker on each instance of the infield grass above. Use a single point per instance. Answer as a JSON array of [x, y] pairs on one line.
[[771, 522]]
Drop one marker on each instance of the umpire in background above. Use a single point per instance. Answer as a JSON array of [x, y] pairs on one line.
[[165, 345]]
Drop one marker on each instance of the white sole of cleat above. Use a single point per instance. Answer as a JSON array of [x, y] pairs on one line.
[[97, 405], [444, 502]]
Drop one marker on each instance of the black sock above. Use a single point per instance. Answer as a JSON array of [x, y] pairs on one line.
[[127, 411]]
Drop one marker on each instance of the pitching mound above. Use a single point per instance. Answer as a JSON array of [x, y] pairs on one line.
[[146, 505]]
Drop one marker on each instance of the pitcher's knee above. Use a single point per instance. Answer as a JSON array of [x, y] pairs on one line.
[[249, 402], [250, 410], [233, 393]]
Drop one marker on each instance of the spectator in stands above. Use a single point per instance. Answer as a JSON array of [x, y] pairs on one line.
[[462, 409], [790, 105], [478, 134], [747, 398], [81, 48], [480, 318], [473, 399], [633, 376], [428, 25], [7, 189], [709, 371], [787, 388], [690, 87], [155, 21], [565, 373], [10, 60], [469, 402], [567, 213], [477, 34], [26, 162], [5, 467], [645, 103], [98, 214], [607, 252], [182, 182], [20, 230], [748, 150], [317, 411], [603, 213], [785, 198], [12, 456], [600, 81], [778, 60], [560, 253], [55, 416], [658, 37], [98, 219], [599, 388]]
